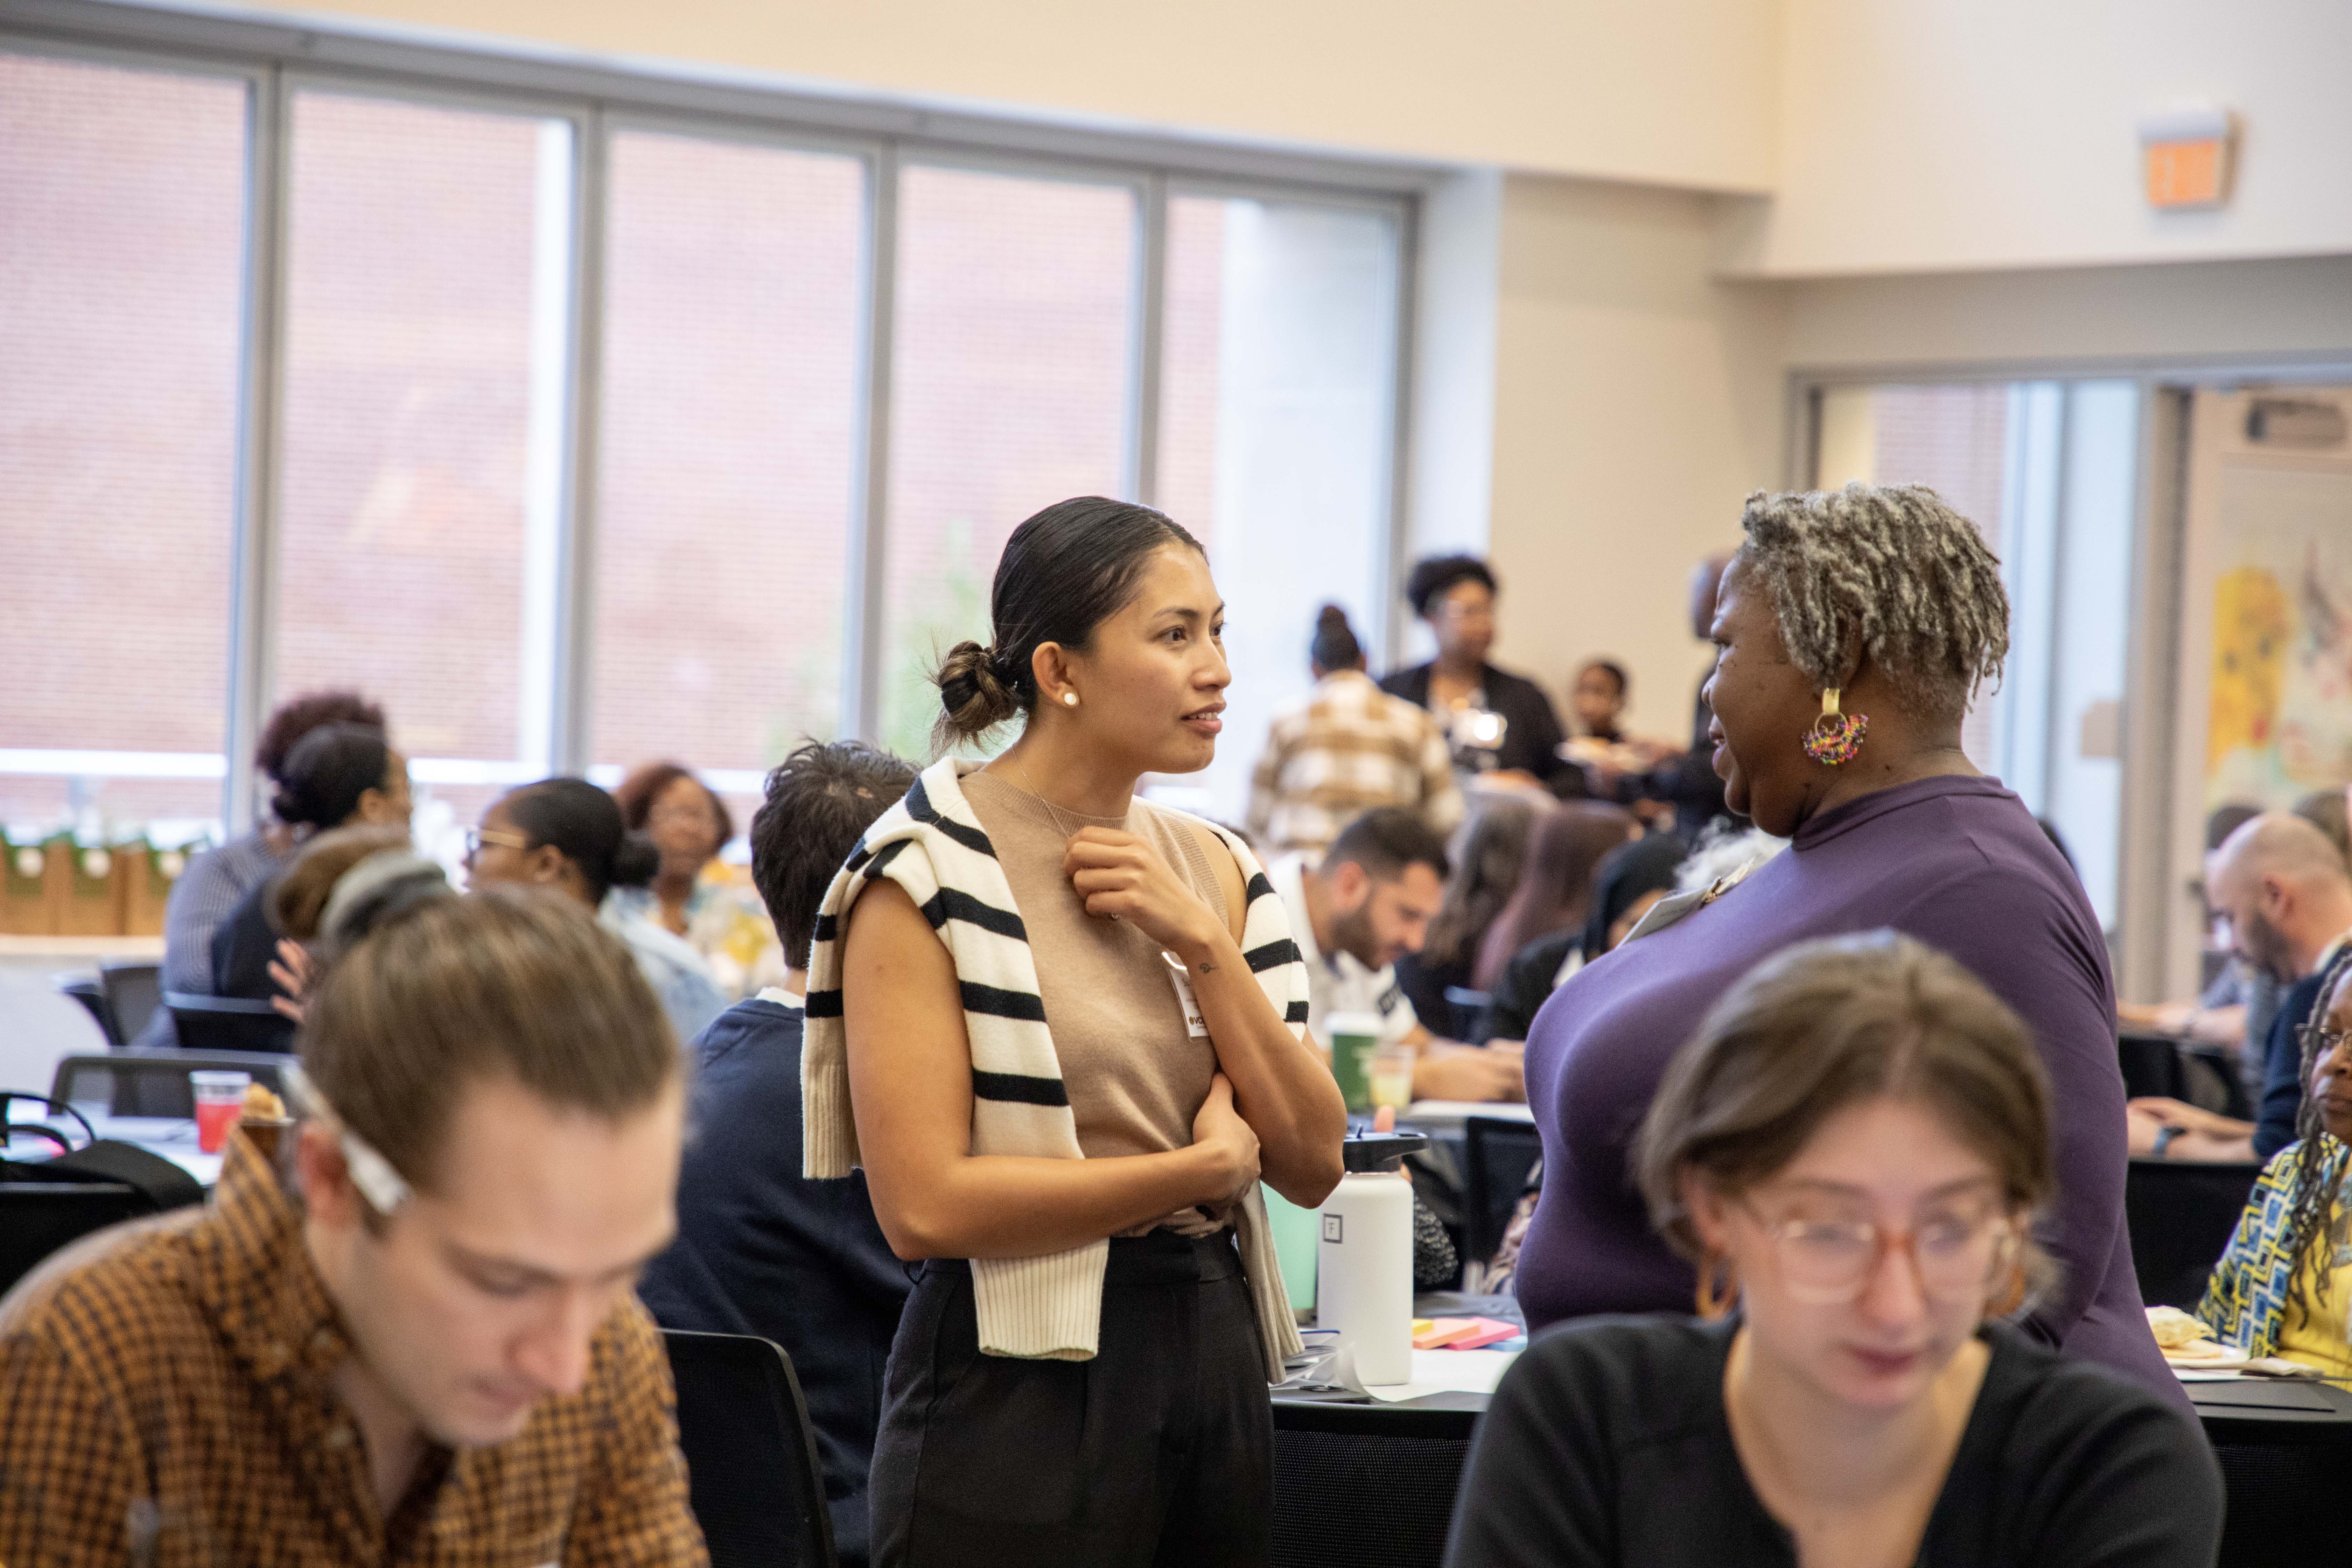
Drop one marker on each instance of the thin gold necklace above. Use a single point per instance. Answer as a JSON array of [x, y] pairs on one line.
[[1055, 814], [1051, 808]]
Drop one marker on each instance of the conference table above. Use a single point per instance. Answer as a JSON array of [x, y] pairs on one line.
[[1451, 1389]]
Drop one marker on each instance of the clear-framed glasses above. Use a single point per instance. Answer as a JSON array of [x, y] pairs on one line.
[[478, 836], [695, 812], [1957, 1255]]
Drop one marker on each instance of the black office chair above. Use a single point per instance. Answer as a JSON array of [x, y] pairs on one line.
[[228, 1024], [2271, 1518], [1467, 1007], [2225, 1088], [1347, 1499], [37, 1218], [2151, 1065], [133, 992], [154, 1082], [2180, 1213], [750, 1457], [91, 994], [1498, 1156]]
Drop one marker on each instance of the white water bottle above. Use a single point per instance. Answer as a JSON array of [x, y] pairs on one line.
[[1363, 1267]]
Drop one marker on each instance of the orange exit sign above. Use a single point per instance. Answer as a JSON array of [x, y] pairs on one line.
[[2185, 157]]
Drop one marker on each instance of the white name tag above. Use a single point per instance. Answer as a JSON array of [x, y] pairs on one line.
[[1194, 1024]]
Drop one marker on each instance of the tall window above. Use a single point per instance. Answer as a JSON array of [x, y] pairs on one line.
[[727, 452], [1013, 353], [121, 240], [426, 384], [1277, 406], [560, 422]]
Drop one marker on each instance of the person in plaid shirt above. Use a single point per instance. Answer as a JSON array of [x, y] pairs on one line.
[[1351, 749], [422, 1348]]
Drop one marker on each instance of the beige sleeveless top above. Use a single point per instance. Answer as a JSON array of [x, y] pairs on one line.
[[1136, 1078]]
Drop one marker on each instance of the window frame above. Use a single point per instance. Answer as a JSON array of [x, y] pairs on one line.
[[885, 132]]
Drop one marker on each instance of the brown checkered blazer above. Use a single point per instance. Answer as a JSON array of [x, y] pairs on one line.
[[165, 1401], [1352, 748]]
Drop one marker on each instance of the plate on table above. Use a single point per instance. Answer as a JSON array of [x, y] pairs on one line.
[[2206, 1355]]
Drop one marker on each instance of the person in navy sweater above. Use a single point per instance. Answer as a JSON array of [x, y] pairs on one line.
[[761, 1250]]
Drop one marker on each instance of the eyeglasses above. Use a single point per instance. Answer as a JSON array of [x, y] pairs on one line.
[[1957, 1256], [478, 836]]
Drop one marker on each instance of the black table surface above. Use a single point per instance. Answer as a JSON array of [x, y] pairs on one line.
[[2235, 1410]]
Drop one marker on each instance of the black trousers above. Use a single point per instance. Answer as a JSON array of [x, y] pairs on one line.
[[1160, 1451]]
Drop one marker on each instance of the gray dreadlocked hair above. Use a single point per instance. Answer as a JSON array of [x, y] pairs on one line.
[[1890, 569]]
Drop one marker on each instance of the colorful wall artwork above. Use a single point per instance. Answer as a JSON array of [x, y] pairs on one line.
[[2280, 716]]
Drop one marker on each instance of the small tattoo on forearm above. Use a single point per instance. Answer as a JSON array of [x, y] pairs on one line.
[[1205, 967]]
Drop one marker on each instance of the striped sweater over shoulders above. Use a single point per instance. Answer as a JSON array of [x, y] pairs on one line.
[[932, 845]]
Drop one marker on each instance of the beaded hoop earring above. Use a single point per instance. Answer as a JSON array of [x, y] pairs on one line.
[[1835, 738]]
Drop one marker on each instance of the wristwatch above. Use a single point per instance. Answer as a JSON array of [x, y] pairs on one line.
[[2164, 1136]]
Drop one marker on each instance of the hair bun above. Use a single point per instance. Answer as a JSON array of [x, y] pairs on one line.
[[974, 696], [1334, 645], [636, 858]]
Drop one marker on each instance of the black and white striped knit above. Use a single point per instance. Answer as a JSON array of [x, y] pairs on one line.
[[931, 845]]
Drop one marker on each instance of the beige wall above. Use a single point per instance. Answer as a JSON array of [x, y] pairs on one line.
[[2213, 310], [1666, 90], [1981, 133], [1637, 402]]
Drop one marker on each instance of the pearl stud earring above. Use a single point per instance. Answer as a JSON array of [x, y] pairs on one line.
[[1069, 699]]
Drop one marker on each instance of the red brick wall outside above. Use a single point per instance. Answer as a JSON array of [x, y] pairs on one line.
[[121, 198], [407, 400], [1189, 318], [1009, 391], [726, 453]]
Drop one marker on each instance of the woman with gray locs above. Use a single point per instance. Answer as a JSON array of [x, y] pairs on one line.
[[1062, 1030], [1851, 629]]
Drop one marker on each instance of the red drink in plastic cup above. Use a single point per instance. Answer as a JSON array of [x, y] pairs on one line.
[[220, 1100]]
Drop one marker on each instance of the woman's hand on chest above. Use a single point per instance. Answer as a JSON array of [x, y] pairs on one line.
[[1119, 876]]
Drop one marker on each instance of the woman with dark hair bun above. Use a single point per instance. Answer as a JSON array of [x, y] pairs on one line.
[[1500, 724], [1062, 1031], [337, 776], [567, 835], [216, 881], [1352, 749]]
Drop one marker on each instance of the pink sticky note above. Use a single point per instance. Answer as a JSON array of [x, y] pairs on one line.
[[1483, 1331], [1443, 1331]]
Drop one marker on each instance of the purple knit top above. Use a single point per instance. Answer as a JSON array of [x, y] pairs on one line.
[[1957, 863]]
